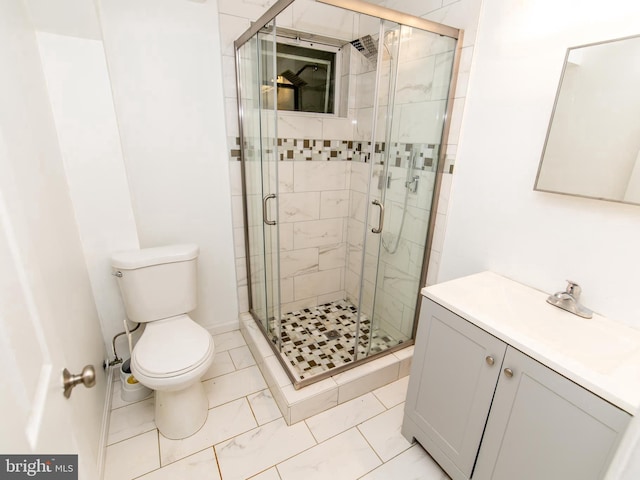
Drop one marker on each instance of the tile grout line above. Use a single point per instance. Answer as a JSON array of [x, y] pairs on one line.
[[370, 446], [312, 434], [175, 461], [354, 426], [251, 408], [159, 453], [181, 458], [284, 460], [133, 436], [264, 471], [215, 456]]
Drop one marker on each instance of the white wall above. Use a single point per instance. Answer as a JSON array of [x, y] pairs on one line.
[[78, 83], [165, 67], [497, 221]]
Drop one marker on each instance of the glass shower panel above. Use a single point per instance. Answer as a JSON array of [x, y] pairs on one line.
[[268, 140], [255, 67], [416, 115], [248, 74], [382, 121]]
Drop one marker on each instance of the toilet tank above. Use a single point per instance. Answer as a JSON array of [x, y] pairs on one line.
[[158, 282]]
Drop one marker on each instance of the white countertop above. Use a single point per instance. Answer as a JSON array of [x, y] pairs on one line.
[[600, 354]]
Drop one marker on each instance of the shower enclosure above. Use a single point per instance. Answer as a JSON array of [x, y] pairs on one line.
[[344, 110]]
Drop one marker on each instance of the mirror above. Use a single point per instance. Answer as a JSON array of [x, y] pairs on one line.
[[593, 141]]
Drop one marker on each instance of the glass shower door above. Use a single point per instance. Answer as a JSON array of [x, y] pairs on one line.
[[410, 122], [257, 84]]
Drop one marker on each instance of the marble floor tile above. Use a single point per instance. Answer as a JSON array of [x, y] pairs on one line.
[[383, 433], [222, 423], [271, 474], [344, 416], [199, 466], [264, 407], [412, 464], [132, 420], [344, 457], [132, 457], [234, 385], [228, 340], [394, 393], [246, 436], [242, 357], [222, 364], [265, 446]]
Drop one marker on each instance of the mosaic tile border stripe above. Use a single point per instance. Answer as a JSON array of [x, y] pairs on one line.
[[300, 149]]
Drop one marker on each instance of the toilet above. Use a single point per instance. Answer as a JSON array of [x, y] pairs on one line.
[[158, 286]]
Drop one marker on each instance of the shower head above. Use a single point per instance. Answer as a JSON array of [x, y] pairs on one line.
[[366, 46]]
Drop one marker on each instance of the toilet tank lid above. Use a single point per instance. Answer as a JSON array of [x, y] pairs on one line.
[[147, 257]]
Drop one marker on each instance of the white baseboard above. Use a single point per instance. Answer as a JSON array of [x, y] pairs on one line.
[[219, 328], [104, 428]]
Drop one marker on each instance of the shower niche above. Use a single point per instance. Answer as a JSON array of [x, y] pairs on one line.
[[343, 121]]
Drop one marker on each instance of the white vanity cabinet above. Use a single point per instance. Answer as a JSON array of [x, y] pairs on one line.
[[544, 426], [485, 410], [454, 372]]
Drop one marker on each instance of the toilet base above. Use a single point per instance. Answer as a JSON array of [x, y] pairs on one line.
[[181, 413]]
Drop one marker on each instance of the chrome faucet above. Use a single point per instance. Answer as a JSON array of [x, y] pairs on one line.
[[569, 300]]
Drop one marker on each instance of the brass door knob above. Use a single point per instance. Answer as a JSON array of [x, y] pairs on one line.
[[87, 377], [508, 372], [490, 360]]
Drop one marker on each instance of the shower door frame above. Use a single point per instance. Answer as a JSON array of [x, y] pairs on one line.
[[383, 13]]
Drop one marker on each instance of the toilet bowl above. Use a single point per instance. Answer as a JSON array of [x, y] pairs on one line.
[[174, 352]]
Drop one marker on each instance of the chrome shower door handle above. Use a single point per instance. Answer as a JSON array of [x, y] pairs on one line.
[[264, 209], [380, 217]]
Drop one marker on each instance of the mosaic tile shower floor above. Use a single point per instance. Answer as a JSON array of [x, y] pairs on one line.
[[317, 339]]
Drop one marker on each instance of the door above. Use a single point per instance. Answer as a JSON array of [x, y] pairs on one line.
[[258, 106], [413, 89], [453, 377], [35, 417], [48, 320], [543, 425]]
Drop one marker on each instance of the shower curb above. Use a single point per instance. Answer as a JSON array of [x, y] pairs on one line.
[[297, 405]]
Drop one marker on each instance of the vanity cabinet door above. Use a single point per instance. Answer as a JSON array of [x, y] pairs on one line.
[[544, 426], [454, 373]]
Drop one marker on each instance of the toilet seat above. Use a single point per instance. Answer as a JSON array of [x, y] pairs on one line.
[[171, 347]]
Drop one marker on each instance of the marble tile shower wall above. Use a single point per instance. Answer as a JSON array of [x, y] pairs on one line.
[[235, 16], [322, 200], [313, 205]]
